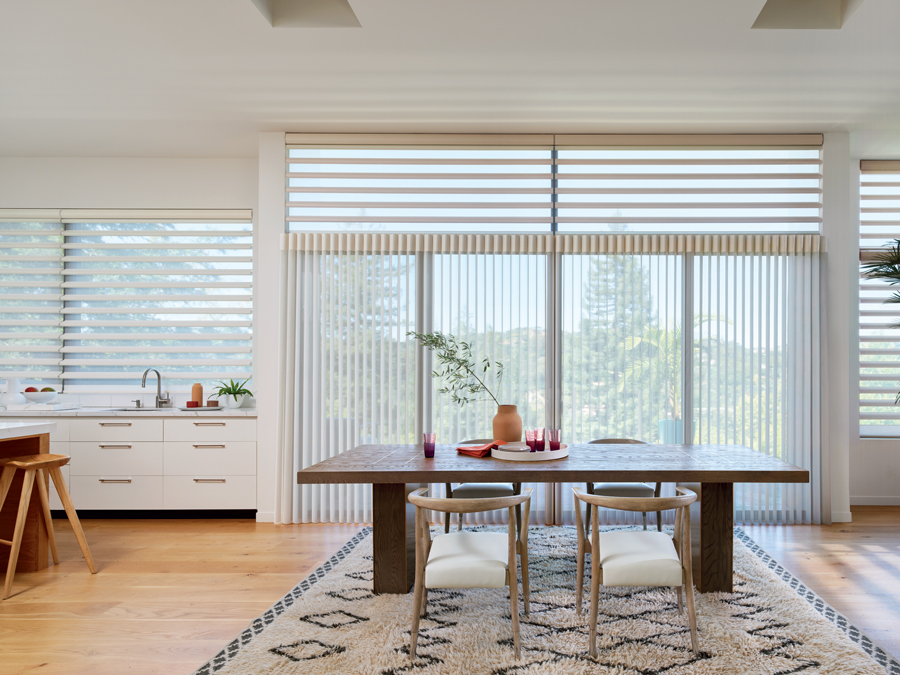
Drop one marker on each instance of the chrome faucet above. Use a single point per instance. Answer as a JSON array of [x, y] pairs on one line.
[[161, 401]]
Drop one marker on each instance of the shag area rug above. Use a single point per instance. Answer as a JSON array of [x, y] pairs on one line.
[[332, 622]]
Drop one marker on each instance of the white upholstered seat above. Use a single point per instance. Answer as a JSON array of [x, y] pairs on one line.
[[639, 559], [468, 560], [623, 490], [485, 490]]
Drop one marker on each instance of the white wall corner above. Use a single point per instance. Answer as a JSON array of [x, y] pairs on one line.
[[841, 228], [269, 228]]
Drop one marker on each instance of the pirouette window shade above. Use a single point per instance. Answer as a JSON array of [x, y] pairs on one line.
[[879, 341], [130, 292], [563, 183]]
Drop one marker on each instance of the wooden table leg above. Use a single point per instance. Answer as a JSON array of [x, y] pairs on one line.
[[712, 532], [393, 537], [35, 552]]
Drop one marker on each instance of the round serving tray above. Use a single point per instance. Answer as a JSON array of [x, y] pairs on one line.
[[531, 456]]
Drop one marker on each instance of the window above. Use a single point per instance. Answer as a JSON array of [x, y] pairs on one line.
[[879, 338], [97, 298]]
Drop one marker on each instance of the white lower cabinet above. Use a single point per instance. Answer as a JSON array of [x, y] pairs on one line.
[[209, 492], [111, 492], [151, 464]]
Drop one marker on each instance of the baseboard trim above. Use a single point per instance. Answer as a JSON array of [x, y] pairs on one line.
[[874, 501], [265, 516], [199, 514], [841, 517]]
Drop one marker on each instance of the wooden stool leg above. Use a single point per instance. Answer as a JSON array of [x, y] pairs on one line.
[[22, 515], [41, 479], [60, 484], [5, 481]]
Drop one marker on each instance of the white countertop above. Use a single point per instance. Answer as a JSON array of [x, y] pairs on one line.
[[112, 412], [20, 429]]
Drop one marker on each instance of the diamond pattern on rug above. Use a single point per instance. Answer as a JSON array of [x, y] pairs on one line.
[[339, 625]]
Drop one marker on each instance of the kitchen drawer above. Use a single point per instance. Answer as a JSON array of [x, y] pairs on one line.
[[209, 429], [210, 492], [115, 429], [226, 458], [110, 492], [59, 449], [94, 459]]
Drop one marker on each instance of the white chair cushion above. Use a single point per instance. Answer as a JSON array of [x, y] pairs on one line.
[[468, 560], [483, 490], [622, 489], [639, 559]]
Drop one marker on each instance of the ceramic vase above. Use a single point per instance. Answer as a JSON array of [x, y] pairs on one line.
[[12, 395], [231, 402], [507, 424]]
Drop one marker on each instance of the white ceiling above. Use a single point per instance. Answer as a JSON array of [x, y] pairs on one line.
[[202, 77]]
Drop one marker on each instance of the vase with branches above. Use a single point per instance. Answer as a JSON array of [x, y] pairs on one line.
[[465, 378]]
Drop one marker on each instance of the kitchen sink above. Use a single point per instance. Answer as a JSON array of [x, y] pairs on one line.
[[141, 409]]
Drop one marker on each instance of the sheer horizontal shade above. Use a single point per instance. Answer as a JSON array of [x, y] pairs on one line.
[[878, 332]]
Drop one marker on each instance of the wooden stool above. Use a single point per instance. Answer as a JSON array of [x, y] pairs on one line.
[[35, 467]]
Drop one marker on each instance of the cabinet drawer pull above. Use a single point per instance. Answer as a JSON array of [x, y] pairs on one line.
[[209, 480], [114, 424], [209, 424], [115, 447], [209, 446], [115, 480]]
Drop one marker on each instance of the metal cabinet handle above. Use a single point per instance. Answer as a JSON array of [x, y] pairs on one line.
[[115, 447], [209, 480], [115, 480], [209, 424], [114, 424], [209, 446]]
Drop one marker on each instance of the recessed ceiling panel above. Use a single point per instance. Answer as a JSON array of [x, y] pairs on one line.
[[308, 13], [806, 14]]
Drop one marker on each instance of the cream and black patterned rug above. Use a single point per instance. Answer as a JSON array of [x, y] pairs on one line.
[[332, 622]]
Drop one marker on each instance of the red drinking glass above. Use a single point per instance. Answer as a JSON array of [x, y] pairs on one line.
[[428, 439], [553, 436], [529, 439], [539, 439]]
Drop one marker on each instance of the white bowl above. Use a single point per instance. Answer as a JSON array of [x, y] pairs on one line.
[[39, 396]]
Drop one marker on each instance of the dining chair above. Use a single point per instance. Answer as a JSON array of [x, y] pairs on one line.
[[481, 490], [469, 559], [626, 558], [638, 490]]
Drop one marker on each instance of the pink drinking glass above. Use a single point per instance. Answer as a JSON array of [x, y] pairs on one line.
[[553, 436], [529, 439], [428, 438], [539, 440]]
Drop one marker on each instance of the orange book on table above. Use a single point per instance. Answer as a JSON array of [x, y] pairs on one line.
[[480, 450]]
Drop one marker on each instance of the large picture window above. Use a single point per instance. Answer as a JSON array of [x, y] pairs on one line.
[[95, 298]]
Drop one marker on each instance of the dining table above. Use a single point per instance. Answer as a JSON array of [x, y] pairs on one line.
[[709, 469]]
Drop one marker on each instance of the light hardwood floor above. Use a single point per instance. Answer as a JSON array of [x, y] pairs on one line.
[[171, 593]]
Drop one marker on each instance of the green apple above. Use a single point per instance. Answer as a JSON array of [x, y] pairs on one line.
[[48, 389]]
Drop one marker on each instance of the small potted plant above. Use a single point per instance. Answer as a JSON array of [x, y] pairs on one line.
[[234, 392]]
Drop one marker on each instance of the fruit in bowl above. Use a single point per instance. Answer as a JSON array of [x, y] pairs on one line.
[[45, 395]]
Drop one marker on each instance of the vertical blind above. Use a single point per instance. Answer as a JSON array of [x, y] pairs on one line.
[[591, 329], [120, 292], [879, 338]]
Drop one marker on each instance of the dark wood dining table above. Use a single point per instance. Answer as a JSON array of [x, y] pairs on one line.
[[711, 470]]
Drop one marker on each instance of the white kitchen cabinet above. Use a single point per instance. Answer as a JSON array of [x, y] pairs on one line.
[[116, 457], [209, 429], [113, 429], [111, 492], [209, 492], [225, 458]]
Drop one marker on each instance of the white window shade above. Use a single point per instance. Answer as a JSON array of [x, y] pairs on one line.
[[879, 338], [30, 301], [700, 189], [173, 295]]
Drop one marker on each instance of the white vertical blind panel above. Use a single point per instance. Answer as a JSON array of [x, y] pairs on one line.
[[355, 367], [30, 302], [755, 339], [176, 296], [879, 336], [689, 189], [418, 189]]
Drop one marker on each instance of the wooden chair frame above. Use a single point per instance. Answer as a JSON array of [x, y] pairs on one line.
[[518, 545], [448, 488], [37, 468], [656, 491], [682, 540]]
